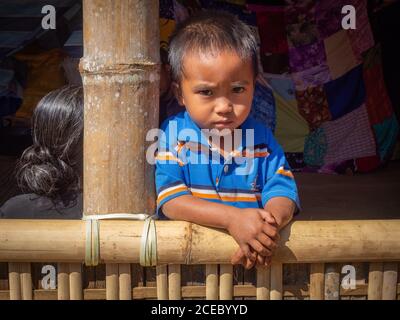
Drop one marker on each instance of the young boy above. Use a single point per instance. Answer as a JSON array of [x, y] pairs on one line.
[[250, 190]]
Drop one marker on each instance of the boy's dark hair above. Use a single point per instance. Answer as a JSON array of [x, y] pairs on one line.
[[211, 31], [50, 166]]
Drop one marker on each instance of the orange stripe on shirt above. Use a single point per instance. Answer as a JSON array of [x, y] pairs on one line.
[[224, 198], [170, 158], [284, 172], [167, 194]]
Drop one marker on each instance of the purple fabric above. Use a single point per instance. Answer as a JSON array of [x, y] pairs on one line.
[[306, 57]]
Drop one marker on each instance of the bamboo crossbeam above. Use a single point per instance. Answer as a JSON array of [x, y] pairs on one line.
[[185, 243]]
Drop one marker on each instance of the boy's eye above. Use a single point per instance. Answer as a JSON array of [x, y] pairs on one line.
[[238, 89], [205, 92]]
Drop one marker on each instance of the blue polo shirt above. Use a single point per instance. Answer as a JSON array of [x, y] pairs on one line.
[[251, 175]]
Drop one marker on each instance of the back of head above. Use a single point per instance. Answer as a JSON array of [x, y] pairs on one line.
[[51, 166], [210, 32]]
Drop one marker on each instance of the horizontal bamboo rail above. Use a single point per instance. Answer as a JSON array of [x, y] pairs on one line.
[[186, 243]]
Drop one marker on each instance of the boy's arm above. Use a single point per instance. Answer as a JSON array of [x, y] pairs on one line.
[[246, 226], [282, 209]]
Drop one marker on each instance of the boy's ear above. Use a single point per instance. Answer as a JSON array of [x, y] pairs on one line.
[[178, 93]]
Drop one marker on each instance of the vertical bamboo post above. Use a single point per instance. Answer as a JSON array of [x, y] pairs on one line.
[[276, 281], [317, 281], [226, 282], [26, 281], [332, 279], [375, 281], [389, 281], [174, 281], [112, 283], [120, 72], [162, 282], [14, 280], [125, 285], [75, 281], [63, 281], [263, 283], [211, 282]]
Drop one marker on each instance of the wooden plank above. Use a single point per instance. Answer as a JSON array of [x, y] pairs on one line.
[[225, 282], [390, 275], [317, 284], [375, 281], [276, 292]]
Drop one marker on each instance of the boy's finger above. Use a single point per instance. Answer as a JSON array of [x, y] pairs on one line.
[[249, 264], [267, 242], [271, 231], [237, 257], [247, 253], [259, 248], [260, 260], [267, 216]]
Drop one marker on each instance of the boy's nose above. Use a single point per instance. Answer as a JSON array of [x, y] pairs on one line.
[[223, 105]]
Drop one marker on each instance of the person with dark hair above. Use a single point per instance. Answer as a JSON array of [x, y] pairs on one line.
[[50, 171], [245, 187]]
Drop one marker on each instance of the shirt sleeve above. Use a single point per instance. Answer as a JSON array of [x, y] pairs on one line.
[[280, 181], [169, 176]]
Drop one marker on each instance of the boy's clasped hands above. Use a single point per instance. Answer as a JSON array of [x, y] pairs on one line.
[[256, 232]]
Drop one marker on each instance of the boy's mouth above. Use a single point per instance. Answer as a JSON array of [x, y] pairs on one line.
[[222, 124]]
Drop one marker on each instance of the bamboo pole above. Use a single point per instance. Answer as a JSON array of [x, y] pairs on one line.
[[181, 242], [226, 282], [162, 282], [125, 286], [276, 281], [26, 281], [63, 281], [112, 283], [75, 281], [390, 275], [211, 282], [120, 71], [375, 281], [317, 284], [332, 278], [174, 282], [263, 283], [14, 280]]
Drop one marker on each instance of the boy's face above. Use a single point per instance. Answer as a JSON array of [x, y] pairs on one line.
[[217, 90]]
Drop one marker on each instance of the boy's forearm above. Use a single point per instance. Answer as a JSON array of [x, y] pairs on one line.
[[282, 209], [199, 211]]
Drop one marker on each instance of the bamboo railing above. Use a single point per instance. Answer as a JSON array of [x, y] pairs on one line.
[[318, 243]]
